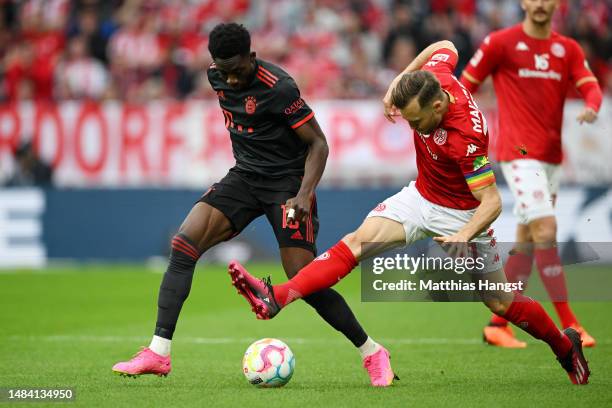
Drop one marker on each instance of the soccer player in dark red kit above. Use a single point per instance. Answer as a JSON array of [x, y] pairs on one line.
[[280, 154], [533, 68], [454, 200]]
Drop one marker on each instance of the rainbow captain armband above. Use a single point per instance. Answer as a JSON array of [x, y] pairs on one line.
[[481, 177]]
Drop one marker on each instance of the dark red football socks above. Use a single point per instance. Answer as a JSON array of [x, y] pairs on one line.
[[323, 272], [518, 268], [553, 278], [530, 316]]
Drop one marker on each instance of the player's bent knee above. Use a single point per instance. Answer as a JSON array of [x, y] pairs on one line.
[[353, 241], [184, 250], [496, 304], [544, 230]]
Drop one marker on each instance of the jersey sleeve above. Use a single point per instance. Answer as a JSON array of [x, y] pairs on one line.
[[471, 155], [486, 59], [289, 105], [443, 60], [579, 70]]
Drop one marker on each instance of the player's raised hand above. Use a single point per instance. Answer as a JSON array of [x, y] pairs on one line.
[[389, 110], [297, 208], [587, 115]]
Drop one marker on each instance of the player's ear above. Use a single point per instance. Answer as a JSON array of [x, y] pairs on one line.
[[436, 105], [253, 55]]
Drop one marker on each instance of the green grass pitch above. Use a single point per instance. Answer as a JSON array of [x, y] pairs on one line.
[[67, 327]]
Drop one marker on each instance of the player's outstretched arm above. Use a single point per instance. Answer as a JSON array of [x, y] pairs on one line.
[[389, 110], [311, 134], [591, 93], [487, 212]]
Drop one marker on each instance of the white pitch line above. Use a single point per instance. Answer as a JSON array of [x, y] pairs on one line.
[[231, 340], [244, 340]]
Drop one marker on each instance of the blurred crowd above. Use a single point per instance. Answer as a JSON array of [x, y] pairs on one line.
[[139, 50]]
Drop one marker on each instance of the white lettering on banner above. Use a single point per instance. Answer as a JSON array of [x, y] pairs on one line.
[[187, 144], [21, 228]]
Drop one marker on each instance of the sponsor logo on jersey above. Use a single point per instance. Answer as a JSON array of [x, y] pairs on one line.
[[529, 73], [542, 64], [557, 49], [250, 105], [521, 46], [480, 161], [440, 136], [471, 148]]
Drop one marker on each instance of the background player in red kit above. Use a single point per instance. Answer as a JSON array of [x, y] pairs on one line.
[[454, 200], [280, 154], [533, 68]]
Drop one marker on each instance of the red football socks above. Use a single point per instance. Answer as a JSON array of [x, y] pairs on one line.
[[323, 272], [530, 316], [518, 268], [553, 278]]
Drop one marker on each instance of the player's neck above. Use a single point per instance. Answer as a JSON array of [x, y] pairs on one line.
[[446, 101], [539, 31]]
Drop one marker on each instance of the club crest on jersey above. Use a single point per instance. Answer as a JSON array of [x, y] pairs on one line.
[[440, 136], [250, 105], [557, 49]]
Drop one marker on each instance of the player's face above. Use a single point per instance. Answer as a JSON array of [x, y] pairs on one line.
[[236, 71], [539, 11], [423, 119]]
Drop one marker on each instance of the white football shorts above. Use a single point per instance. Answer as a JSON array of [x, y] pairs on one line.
[[422, 218], [534, 185]]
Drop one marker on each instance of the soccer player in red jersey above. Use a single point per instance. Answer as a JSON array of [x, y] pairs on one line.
[[454, 200], [533, 68]]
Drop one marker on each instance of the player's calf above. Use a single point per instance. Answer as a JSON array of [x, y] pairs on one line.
[[176, 284]]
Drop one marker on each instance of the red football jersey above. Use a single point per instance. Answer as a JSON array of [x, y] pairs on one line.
[[531, 79], [452, 160]]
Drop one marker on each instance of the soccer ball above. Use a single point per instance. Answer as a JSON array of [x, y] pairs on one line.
[[268, 363]]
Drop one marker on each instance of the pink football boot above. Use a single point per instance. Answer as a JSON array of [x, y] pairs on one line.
[[379, 368], [257, 292], [144, 362]]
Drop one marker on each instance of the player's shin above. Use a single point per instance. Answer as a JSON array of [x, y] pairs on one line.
[[173, 291], [517, 268], [530, 316], [323, 272], [553, 278], [332, 307]]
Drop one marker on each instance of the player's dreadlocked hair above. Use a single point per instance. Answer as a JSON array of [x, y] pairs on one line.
[[228, 40], [420, 84]]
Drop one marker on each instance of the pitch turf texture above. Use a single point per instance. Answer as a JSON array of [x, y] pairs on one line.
[[67, 327]]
